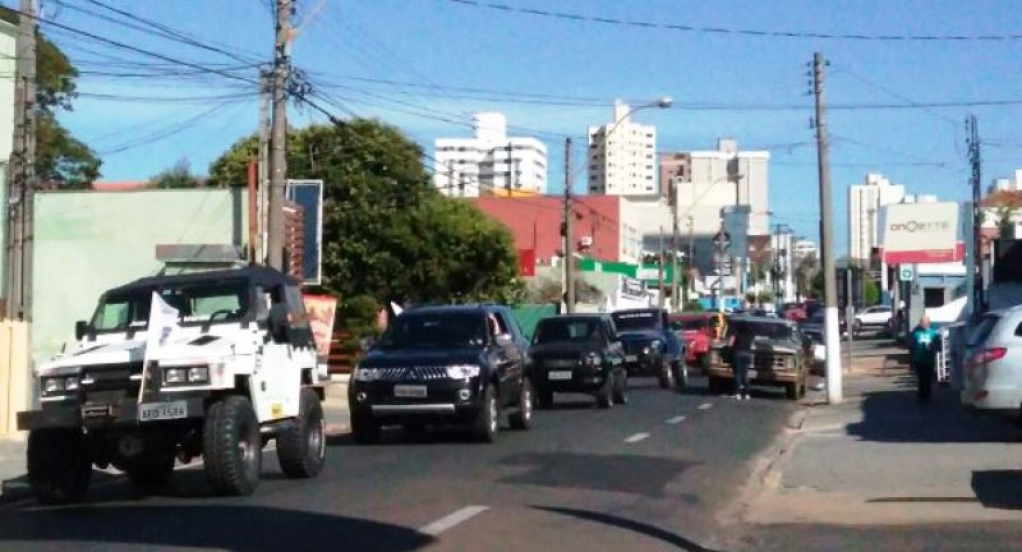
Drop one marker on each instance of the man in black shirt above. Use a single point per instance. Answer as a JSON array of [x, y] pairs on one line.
[[741, 359]]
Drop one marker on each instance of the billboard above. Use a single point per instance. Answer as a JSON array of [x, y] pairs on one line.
[[919, 233], [309, 195]]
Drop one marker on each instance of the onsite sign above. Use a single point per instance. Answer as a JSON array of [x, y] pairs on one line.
[[919, 233], [322, 310]]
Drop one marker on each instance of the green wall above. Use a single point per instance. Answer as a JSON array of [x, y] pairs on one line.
[[87, 242]]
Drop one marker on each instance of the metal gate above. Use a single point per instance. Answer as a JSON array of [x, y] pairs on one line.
[[944, 356]]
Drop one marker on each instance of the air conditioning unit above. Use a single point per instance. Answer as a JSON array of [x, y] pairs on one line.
[[586, 241]]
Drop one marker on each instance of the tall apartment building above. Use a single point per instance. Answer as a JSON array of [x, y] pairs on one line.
[[864, 206], [704, 182], [1013, 184], [622, 156], [490, 162]]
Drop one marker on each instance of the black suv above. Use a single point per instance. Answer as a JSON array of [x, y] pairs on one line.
[[461, 364], [578, 353], [650, 347]]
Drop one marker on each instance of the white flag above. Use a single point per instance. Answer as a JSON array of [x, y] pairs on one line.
[[162, 323], [396, 308]]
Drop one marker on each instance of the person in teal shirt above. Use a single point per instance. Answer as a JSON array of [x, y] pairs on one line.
[[924, 342]]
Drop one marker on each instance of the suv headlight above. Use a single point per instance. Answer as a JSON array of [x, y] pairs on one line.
[[462, 371], [366, 374], [592, 359]]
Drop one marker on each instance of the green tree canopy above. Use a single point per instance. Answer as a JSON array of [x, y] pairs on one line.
[[387, 233], [178, 176], [60, 157]]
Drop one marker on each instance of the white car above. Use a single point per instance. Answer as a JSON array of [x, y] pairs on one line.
[[876, 318]]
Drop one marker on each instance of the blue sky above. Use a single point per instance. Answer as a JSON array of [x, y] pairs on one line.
[[440, 46]]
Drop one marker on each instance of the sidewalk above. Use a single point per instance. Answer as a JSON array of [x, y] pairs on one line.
[[13, 483], [882, 458]]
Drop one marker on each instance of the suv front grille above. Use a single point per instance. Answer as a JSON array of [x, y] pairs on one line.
[[413, 373]]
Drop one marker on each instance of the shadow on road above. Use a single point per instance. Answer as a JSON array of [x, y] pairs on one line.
[[998, 488], [218, 527], [645, 529], [898, 417], [626, 473]]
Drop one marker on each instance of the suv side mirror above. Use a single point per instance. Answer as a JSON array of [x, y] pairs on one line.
[[278, 322], [367, 343], [81, 328], [504, 340]]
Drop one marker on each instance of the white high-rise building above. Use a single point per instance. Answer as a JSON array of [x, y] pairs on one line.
[[622, 156], [490, 162], [864, 206]]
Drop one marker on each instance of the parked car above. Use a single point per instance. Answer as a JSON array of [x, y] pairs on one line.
[[462, 364], [650, 347], [699, 332], [814, 325], [578, 353], [780, 356], [875, 318], [993, 363]]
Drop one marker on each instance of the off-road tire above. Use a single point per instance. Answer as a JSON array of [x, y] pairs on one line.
[[152, 469], [666, 375], [232, 447], [484, 427], [59, 465], [681, 377], [621, 389], [365, 430], [301, 450], [521, 419]]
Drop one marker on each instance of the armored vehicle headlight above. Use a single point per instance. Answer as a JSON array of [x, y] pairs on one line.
[[71, 383], [174, 375], [53, 385], [462, 371], [198, 374]]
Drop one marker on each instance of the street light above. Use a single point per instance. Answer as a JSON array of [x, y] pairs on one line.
[[569, 284]]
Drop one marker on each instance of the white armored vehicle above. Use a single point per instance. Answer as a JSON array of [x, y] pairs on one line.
[[211, 364]]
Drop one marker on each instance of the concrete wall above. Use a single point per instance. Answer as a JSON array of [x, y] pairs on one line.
[[88, 242], [8, 58]]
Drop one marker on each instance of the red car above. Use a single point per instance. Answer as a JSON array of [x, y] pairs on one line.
[[698, 332]]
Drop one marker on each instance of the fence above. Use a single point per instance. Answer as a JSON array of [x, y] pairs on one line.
[[15, 378]]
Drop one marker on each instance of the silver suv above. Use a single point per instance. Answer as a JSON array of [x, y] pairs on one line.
[[992, 379]]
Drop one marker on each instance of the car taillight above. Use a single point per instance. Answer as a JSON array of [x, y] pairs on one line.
[[988, 355]]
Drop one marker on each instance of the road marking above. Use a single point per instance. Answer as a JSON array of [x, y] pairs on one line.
[[637, 437], [676, 420], [452, 519], [704, 406]]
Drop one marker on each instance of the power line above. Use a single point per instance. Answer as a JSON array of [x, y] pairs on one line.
[[723, 31]]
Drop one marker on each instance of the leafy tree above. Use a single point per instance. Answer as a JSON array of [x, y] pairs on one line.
[[178, 176], [387, 232], [61, 159], [871, 293]]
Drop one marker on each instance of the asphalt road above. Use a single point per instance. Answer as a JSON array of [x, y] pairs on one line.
[[648, 476]]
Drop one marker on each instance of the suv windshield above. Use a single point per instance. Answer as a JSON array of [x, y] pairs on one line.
[[773, 332], [196, 302], [435, 330], [638, 320], [555, 330], [690, 324]]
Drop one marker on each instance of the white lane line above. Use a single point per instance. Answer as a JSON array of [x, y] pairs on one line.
[[704, 406], [637, 437], [676, 420], [452, 519]]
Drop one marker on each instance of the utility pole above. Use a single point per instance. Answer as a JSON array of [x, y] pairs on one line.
[[660, 271], [264, 162], [278, 135], [566, 226], [22, 169], [675, 298], [979, 297], [689, 258], [832, 328]]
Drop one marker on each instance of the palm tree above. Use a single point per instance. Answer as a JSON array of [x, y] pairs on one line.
[[805, 273]]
